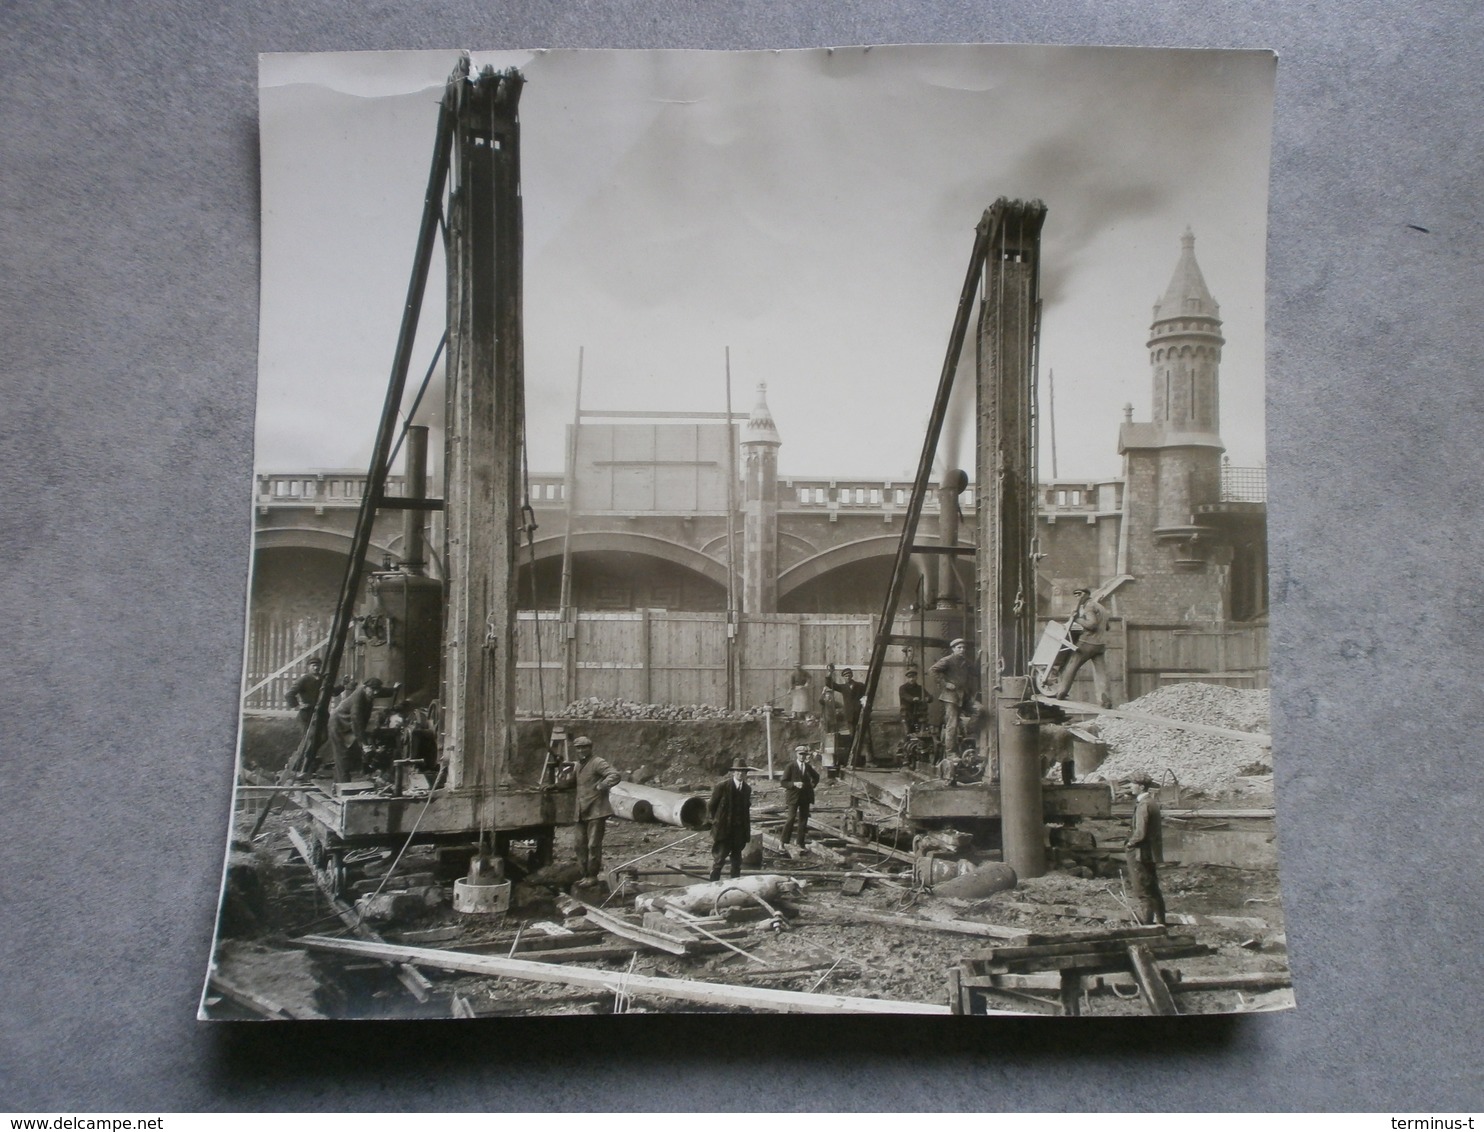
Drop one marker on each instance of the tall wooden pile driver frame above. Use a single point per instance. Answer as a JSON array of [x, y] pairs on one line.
[[476, 159], [1004, 270]]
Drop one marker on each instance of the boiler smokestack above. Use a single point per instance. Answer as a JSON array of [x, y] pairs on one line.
[[414, 552], [952, 486]]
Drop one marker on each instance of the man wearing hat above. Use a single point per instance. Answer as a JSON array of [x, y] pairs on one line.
[[799, 780], [851, 690], [1144, 850], [731, 819], [350, 724], [958, 684], [594, 779], [912, 699], [1091, 621]]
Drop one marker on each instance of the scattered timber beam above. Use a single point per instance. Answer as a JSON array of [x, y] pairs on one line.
[[1093, 962], [861, 843], [1069, 991], [1080, 943], [645, 937], [1078, 708], [1151, 982], [693, 923], [686, 990], [257, 1003], [1178, 984], [409, 976], [952, 927], [773, 845]]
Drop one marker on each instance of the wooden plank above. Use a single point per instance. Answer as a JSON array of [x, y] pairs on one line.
[[1069, 990], [1082, 942], [1092, 961], [645, 937], [1151, 982], [952, 927], [817, 847], [861, 843], [686, 990], [257, 1003], [409, 976]]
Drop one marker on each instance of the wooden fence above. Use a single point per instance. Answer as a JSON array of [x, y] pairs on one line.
[[1211, 652], [659, 656]]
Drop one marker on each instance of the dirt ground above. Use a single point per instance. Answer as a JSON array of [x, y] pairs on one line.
[[826, 947]]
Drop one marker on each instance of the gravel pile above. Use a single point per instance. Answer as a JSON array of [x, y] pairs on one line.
[[1207, 764], [594, 708]]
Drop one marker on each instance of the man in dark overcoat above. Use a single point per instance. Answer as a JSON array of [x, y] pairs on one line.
[[731, 819], [799, 780]]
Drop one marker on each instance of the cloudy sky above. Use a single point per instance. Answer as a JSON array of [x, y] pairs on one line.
[[812, 211]]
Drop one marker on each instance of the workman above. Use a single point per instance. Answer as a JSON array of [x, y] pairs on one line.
[[302, 697], [852, 691], [305, 692], [595, 778], [349, 725], [958, 678], [1144, 850], [1089, 624], [799, 780], [912, 700], [730, 809]]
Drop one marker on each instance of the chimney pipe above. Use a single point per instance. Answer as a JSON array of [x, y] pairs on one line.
[[951, 487], [414, 553]]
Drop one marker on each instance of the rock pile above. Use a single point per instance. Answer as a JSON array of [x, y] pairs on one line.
[[1206, 764], [594, 708]]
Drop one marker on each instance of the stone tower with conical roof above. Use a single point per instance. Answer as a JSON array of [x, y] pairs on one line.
[[1172, 464], [760, 444]]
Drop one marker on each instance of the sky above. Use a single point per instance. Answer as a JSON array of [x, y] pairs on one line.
[[809, 213]]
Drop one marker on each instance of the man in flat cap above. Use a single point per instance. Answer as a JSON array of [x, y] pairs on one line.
[[1144, 850], [594, 779], [350, 728], [799, 780], [730, 809], [912, 700], [1091, 621], [958, 684]]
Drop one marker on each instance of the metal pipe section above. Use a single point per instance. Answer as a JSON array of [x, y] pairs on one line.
[[949, 490], [649, 803], [414, 552], [1022, 823]]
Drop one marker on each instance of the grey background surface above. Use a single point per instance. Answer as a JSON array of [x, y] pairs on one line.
[[127, 332]]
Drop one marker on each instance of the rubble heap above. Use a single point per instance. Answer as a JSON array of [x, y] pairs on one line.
[[594, 708], [1207, 764]]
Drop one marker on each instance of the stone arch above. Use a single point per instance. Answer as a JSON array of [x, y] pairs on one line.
[[313, 538], [879, 546], [627, 542]]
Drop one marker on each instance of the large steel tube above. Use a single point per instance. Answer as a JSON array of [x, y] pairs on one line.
[[1022, 822], [414, 554], [649, 803], [953, 485]]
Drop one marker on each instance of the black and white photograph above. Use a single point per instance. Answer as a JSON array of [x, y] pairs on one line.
[[758, 531]]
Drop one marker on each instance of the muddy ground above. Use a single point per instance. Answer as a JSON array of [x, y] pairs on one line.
[[823, 949]]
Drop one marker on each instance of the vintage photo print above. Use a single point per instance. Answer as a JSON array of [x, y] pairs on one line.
[[774, 531]]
